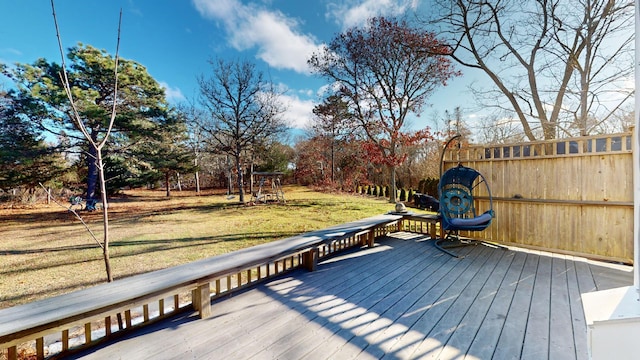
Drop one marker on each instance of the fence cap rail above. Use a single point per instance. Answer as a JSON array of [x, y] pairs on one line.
[[574, 146]]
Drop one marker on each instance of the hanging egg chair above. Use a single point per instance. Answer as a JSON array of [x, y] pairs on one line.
[[457, 206]]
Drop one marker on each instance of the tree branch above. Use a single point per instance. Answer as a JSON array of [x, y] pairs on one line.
[[75, 213]]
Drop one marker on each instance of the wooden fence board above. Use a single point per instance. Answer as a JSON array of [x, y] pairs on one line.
[[574, 196]]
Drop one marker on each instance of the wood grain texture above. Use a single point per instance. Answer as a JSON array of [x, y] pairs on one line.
[[573, 196]]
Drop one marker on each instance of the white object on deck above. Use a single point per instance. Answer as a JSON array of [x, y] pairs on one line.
[[613, 316], [613, 323]]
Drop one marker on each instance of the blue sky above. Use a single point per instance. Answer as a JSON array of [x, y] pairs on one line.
[[174, 39]]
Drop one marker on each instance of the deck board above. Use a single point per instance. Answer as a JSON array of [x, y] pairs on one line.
[[578, 321], [431, 300], [511, 338], [536, 338], [488, 333], [401, 299], [462, 295], [560, 321], [467, 331]]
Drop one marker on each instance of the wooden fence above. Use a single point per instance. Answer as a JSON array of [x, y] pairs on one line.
[[572, 196]]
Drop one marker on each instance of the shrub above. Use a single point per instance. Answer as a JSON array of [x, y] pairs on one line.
[[428, 186]]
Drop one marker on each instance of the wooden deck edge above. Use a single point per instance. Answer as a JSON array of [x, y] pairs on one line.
[[594, 257]]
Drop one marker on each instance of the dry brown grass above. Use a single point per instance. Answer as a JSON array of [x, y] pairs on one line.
[[44, 251]]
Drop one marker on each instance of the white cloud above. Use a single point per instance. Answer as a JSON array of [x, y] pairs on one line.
[[217, 9], [306, 92], [328, 89], [356, 12], [275, 36], [172, 94], [11, 51], [299, 112]]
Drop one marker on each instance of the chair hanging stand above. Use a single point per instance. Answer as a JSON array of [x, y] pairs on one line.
[[452, 240], [457, 205]]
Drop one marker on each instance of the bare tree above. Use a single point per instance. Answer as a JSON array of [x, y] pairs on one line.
[[557, 62], [243, 106], [194, 118], [495, 130], [96, 146]]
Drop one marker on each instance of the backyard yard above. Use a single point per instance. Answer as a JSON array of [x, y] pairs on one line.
[[45, 251]]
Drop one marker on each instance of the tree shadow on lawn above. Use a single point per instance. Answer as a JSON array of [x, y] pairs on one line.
[[8, 301], [157, 247], [145, 247], [42, 219]]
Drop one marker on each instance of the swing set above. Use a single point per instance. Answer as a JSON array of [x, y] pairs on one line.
[[269, 188]]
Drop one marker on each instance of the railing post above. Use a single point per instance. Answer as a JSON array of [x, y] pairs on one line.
[[200, 297], [371, 236], [310, 259], [12, 353], [40, 348]]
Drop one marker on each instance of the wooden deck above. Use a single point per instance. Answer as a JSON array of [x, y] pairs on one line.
[[402, 299]]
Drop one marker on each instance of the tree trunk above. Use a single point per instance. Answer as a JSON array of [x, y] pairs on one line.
[[92, 173], [105, 216], [166, 181], [197, 174], [392, 198], [229, 181], [333, 151], [251, 184], [240, 177]]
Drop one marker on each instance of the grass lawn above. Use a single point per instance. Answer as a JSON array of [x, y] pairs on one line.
[[45, 251]]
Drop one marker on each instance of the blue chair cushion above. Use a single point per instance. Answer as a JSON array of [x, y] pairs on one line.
[[478, 220]]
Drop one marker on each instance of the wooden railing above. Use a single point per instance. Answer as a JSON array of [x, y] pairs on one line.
[[87, 317], [422, 224]]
